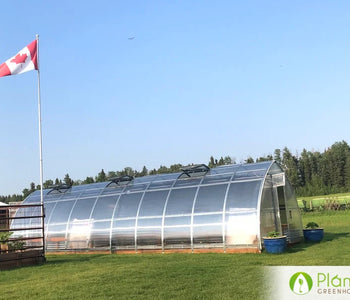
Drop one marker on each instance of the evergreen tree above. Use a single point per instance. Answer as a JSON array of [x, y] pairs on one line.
[[111, 174], [264, 158], [221, 161], [47, 184], [144, 171], [249, 160], [88, 180], [162, 170], [228, 160], [277, 156], [67, 180], [347, 174], [211, 162], [290, 165], [101, 177]]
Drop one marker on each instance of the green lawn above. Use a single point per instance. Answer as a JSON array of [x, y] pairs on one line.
[[173, 276]]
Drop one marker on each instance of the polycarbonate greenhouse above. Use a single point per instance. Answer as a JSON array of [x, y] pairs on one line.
[[224, 209]]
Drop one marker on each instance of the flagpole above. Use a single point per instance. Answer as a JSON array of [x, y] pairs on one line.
[[40, 146]]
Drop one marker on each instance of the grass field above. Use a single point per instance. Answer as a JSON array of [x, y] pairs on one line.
[[173, 276], [316, 201]]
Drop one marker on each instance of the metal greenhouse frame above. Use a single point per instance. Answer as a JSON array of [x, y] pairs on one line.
[[223, 209]]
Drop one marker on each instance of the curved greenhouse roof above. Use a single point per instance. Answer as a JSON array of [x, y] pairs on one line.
[[228, 208]]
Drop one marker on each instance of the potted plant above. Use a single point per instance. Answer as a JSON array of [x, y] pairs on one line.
[[312, 232], [275, 243]]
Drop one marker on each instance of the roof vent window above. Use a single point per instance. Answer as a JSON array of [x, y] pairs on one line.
[[121, 181], [60, 188], [194, 171]]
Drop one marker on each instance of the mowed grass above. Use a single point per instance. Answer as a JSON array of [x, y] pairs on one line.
[[173, 276]]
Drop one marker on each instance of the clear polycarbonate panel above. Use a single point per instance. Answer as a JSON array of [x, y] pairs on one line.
[[149, 238], [241, 229], [245, 175], [275, 169], [225, 169], [267, 195], [100, 234], [177, 221], [35, 197], [256, 166], [177, 237], [187, 182], [82, 209], [243, 195], [149, 222], [208, 219], [217, 178], [112, 190], [180, 201], [22, 223], [128, 205], [80, 224], [60, 213], [135, 187], [70, 195], [56, 237], [48, 207], [146, 179], [210, 198], [79, 234], [91, 193], [166, 184], [123, 234], [123, 238], [104, 207], [128, 223], [291, 200], [153, 203], [36, 219], [53, 196], [295, 233], [269, 220], [207, 235]]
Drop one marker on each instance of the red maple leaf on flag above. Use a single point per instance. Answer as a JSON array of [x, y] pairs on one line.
[[20, 58]]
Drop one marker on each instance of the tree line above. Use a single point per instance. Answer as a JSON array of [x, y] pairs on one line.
[[310, 172]]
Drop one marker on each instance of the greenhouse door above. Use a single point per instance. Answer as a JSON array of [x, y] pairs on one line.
[[282, 209], [278, 182]]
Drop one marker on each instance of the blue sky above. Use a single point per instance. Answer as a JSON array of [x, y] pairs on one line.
[[200, 78]]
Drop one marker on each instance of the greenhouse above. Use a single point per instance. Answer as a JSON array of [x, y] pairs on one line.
[[223, 209]]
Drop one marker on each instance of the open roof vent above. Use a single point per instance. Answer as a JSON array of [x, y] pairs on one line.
[[194, 171], [121, 180], [60, 188]]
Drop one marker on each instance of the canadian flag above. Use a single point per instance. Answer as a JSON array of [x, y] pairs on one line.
[[24, 61]]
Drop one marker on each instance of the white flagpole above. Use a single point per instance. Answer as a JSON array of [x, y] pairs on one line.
[[40, 144]]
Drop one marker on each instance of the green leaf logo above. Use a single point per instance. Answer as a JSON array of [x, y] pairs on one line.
[[300, 283]]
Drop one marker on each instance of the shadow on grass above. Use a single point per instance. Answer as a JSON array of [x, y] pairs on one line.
[[328, 237]]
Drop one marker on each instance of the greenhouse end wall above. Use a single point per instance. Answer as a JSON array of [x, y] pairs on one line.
[[219, 209]]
